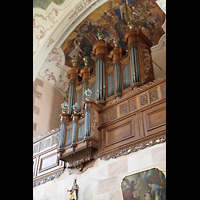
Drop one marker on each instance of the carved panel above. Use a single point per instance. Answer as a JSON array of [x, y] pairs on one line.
[[146, 60], [113, 113], [48, 162], [155, 119], [119, 133], [48, 142], [123, 109], [163, 90], [143, 100], [105, 117], [42, 144], [36, 148], [132, 105], [153, 95]]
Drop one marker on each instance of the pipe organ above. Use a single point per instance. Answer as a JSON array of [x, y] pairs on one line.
[[105, 122]]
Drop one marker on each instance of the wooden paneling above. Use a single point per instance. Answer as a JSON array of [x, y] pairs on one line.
[[119, 134], [48, 162], [133, 118], [154, 119]]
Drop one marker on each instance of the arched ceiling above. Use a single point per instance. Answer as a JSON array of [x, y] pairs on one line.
[[44, 4], [56, 27]]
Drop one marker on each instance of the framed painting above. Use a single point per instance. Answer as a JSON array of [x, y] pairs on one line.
[[149, 184]]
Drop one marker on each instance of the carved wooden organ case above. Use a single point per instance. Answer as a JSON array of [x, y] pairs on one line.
[[116, 73]]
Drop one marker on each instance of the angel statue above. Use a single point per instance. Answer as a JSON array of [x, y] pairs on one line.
[[74, 191]]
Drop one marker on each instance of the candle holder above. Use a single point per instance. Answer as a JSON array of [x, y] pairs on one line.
[[88, 94]]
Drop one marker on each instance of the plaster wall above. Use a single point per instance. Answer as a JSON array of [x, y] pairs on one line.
[[103, 180], [46, 107]]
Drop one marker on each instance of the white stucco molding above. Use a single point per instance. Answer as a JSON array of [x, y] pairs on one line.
[[162, 5]]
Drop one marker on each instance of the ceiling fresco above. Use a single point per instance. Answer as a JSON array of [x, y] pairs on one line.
[[45, 3], [113, 17]]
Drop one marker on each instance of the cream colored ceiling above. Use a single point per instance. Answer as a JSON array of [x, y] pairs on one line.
[[50, 29]]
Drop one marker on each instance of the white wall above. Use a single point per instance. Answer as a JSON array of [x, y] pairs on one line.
[[103, 180]]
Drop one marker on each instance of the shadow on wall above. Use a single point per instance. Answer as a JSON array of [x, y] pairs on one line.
[[49, 108]]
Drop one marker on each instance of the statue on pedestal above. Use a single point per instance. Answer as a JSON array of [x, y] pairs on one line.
[[74, 191]]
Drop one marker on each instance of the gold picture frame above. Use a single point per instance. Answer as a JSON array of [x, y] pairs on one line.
[[148, 184]]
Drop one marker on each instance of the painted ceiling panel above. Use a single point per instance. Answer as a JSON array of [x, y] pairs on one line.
[[45, 3], [113, 17]]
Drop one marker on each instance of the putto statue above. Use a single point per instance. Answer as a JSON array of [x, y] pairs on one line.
[[74, 191]]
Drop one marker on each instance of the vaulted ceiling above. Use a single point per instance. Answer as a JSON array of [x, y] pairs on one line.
[[57, 22]]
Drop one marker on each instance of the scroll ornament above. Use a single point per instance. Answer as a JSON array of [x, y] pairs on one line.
[[146, 60]]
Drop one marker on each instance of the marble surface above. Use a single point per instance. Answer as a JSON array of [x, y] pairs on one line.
[[103, 180]]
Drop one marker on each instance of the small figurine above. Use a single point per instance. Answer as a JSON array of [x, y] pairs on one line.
[[74, 191]]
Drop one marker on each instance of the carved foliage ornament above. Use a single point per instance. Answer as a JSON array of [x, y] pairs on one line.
[[146, 60], [135, 148]]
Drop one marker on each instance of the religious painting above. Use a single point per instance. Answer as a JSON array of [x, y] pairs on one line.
[[113, 17], [149, 184]]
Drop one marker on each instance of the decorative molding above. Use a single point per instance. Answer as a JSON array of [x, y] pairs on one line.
[[139, 90], [135, 148], [61, 85], [48, 178]]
